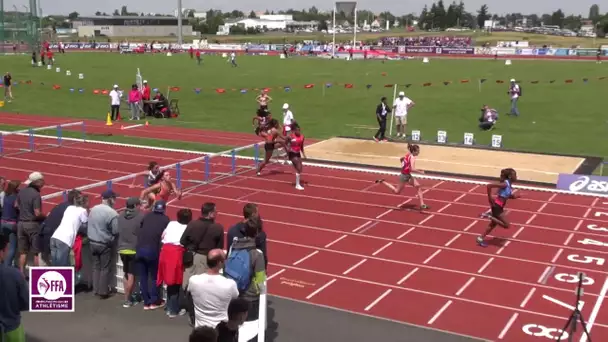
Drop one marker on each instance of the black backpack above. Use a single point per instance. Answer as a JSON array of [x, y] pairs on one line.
[[520, 89]]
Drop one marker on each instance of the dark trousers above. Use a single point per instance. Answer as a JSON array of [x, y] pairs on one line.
[[382, 129], [147, 270], [486, 125], [102, 259], [173, 298], [114, 111]]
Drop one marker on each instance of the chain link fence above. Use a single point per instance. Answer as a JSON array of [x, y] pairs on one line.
[[20, 29]]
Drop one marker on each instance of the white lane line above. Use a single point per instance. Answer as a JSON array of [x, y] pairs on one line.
[[508, 326], [464, 287], [362, 226], [444, 207], [503, 247], [369, 307], [559, 252], [426, 219], [578, 225], [316, 292], [544, 274], [587, 212], [517, 233], [336, 241], [596, 309], [276, 274], [470, 226], [527, 298], [431, 257], [305, 258], [407, 276], [484, 266], [404, 234], [354, 266], [531, 218], [443, 308], [447, 244], [568, 239], [381, 249]]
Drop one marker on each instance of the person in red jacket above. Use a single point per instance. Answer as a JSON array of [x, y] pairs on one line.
[[145, 96]]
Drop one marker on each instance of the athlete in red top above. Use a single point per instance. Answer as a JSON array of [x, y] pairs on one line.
[[272, 140], [296, 151], [408, 165], [160, 190]]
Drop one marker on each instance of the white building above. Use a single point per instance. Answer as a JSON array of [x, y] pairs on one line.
[[274, 22], [127, 26]]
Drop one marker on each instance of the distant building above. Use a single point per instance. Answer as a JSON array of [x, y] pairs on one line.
[[130, 26], [271, 22]]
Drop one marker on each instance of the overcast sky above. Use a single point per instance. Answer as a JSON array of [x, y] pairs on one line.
[[395, 6]]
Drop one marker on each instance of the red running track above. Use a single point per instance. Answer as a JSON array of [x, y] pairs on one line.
[[343, 243], [162, 132]]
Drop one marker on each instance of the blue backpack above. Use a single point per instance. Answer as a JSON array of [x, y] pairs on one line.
[[238, 268]]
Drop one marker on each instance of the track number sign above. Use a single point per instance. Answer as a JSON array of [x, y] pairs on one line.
[[538, 330], [442, 137], [586, 259], [600, 214], [415, 135], [572, 278], [593, 242], [597, 228], [469, 139]]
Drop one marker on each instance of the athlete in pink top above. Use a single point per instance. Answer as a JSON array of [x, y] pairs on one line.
[[296, 151], [408, 165], [163, 188]]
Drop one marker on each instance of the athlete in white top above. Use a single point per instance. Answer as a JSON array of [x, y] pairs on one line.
[[401, 107]]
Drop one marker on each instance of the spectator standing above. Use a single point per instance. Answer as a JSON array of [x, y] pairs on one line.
[[381, 112], [115, 96], [170, 266], [8, 87], [51, 223], [212, 292], [401, 106], [2, 189], [145, 96], [257, 272], [250, 210], [102, 231], [228, 331], [29, 204], [134, 100], [514, 93], [14, 298], [199, 238], [129, 223], [147, 253], [9, 221], [203, 334], [74, 220]]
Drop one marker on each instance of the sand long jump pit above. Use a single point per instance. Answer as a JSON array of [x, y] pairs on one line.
[[452, 159]]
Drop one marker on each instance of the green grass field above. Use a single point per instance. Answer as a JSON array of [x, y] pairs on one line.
[[556, 117]]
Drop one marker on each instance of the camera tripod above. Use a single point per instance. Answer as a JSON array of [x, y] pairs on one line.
[[576, 315]]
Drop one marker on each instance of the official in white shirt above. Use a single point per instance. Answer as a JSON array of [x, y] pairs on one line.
[[115, 96], [288, 119], [514, 93], [75, 219], [401, 107]]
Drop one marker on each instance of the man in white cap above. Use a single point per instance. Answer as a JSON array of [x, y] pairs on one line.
[[29, 203], [115, 95], [401, 107], [288, 119], [514, 93]]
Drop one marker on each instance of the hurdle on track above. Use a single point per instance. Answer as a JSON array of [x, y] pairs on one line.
[[26, 140]]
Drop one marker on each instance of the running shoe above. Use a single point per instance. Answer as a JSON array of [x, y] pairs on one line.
[[376, 139], [384, 140], [424, 206], [481, 242], [299, 187], [128, 304], [485, 214], [379, 181]]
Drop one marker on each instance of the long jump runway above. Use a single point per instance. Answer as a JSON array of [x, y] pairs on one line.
[[345, 243]]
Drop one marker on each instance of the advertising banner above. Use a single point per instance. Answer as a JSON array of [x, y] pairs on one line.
[[257, 47], [526, 52], [485, 51], [224, 47], [561, 52], [420, 49], [505, 51], [586, 52], [583, 183], [455, 51]]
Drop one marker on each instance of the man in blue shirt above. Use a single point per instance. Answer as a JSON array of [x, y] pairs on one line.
[[13, 299]]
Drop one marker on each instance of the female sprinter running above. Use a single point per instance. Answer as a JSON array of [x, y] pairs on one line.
[[408, 165], [260, 120], [296, 151], [273, 140], [497, 205], [162, 188]]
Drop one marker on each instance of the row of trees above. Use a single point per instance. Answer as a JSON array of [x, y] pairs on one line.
[[437, 16]]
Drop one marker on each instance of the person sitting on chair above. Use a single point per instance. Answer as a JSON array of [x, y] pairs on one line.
[[488, 118], [161, 107]]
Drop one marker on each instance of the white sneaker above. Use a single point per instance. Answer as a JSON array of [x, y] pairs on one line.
[[299, 187], [259, 174], [398, 135]]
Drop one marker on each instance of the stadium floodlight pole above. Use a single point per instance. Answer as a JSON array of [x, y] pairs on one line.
[[180, 37], [333, 32], [355, 30], [390, 129]]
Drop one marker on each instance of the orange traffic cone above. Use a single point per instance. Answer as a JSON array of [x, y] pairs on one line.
[[109, 120]]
